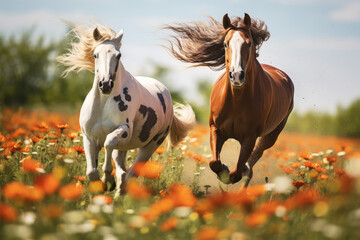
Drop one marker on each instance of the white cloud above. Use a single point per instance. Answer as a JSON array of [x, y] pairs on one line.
[[327, 44], [349, 13]]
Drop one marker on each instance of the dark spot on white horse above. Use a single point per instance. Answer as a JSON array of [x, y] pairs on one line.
[[161, 140], [156, 136], [121, 104], [151, 120], [124, 135], [167, 129], [127, 120], [161, 98], [126, 94]]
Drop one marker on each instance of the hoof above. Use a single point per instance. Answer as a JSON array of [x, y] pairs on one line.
[[216, 166], [235, 177], [109, 182], [223, 176], [246, 170]]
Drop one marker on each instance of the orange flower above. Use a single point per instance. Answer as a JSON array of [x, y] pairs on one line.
[[169, 224], [306, 156], [331, 159], [103, 198], [14, 190], [48, 183], [199, 159], [72, 135], [65, 150], [298, 184], [256, 219], [96, 186], [156, 209], [340, 172], [71, 191], [35, 139], [80, 178], [136, 190], [78, 149], [34, 194], [302, 198], [207, 233], [286, 170], [295, 165], [281, 164], [181, 195], [8, 213], [323, 176], [62, 126], [25, 149], [309, 164], [160, 150], [2, 138], [320, 169], [255, 191], [52, 211], [31, 165], [148, 169]]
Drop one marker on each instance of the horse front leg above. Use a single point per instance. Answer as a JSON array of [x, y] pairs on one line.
[[117, 138], [216, 143], [247, 147], [91, 154]]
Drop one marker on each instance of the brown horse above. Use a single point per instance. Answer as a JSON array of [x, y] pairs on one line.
[[250, 102]]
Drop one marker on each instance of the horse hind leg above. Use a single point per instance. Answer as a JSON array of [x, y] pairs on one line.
[[143, 156], [262, 144]]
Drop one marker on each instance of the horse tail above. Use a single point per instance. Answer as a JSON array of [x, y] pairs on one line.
[[183, 121]]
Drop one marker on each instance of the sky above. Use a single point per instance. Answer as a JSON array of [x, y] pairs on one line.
[[316, 42]]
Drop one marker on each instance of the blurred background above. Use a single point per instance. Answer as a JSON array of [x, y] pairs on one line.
[[316, 42]]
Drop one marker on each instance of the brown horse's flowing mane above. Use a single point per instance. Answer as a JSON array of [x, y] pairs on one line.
[[201, 43]]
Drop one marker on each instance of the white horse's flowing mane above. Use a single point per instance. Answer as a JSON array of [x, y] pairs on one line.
[[80, 54]]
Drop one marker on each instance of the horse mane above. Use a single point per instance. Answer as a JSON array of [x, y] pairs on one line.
[[80, 55], [201, 43]]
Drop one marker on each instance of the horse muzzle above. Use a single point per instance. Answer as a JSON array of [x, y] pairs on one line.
[[106, 86], [237, 79]]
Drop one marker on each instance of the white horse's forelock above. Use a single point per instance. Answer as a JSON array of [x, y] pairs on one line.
[[80, 54]]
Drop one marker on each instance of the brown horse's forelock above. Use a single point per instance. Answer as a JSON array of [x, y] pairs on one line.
[[201, 43]]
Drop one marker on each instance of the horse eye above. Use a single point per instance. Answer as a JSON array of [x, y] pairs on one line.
[[94, 55], [225, 45]]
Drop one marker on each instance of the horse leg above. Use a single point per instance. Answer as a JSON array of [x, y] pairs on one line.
[[247, 147], [216, 143], [119, 159], [117, 138], [91, 154], [262, 144], [143, 155]]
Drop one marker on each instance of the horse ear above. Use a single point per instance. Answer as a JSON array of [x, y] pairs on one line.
[[247, 20], [119, 37], [226, 22], [96, 34]]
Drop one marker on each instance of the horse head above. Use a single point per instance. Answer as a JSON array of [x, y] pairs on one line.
[[238, 49], [107, 56]]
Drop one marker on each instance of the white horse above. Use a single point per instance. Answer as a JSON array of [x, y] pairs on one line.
[[121, 112]]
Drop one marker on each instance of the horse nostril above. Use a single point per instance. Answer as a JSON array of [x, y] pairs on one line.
[[100, 84], [230, 75], [241, 75], [111, 83]]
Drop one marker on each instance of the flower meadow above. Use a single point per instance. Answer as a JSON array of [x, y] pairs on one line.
[[309, 189]]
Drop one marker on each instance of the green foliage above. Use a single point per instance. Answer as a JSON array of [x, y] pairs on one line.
[[345, 122]]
